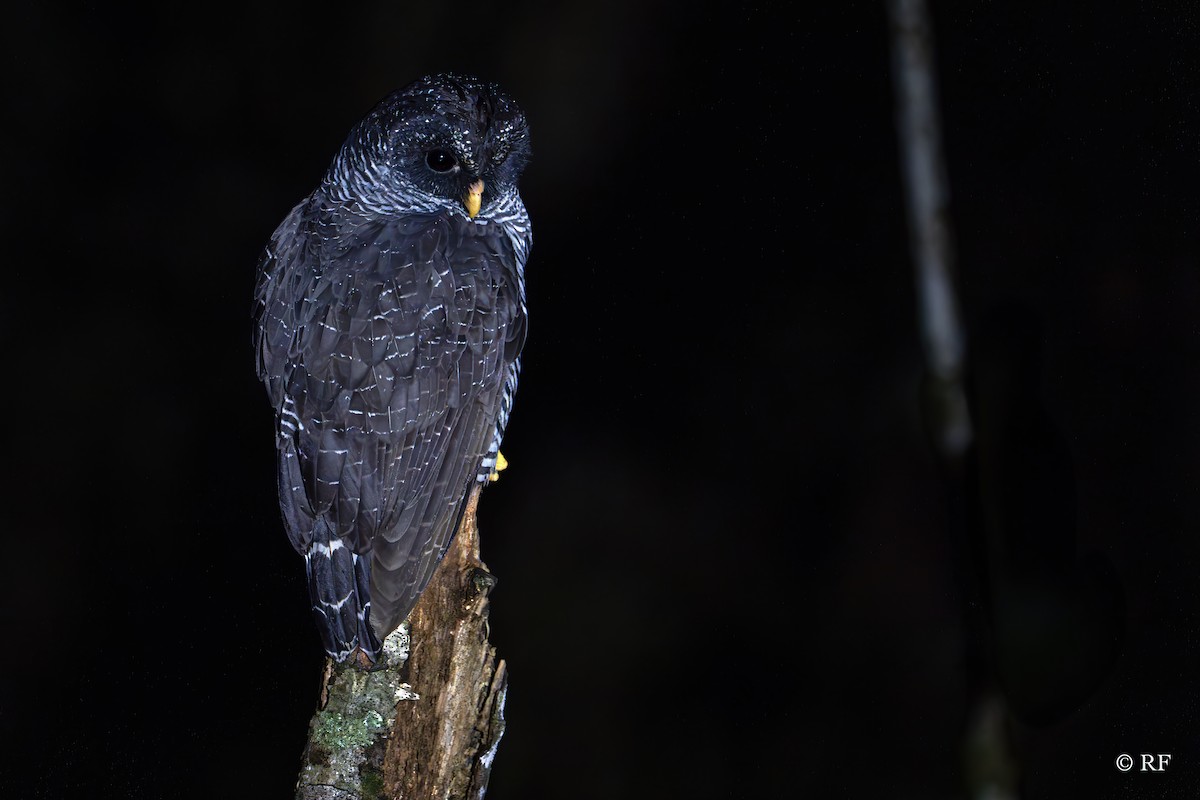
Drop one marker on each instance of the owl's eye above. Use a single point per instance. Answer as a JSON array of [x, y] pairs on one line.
[[440, 161]]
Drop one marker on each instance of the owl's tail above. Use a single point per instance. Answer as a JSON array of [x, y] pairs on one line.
[[338, 584]]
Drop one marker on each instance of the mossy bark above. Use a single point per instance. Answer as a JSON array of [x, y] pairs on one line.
[[427, 724]]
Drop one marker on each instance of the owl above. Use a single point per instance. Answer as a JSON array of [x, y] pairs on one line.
[[389, 321]]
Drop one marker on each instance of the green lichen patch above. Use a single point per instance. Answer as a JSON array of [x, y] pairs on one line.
[[334, 731], [358, 713]]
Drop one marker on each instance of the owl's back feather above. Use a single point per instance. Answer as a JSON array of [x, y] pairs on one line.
[[387, 346]]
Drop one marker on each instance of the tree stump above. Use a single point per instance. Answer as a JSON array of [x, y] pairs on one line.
[[426, 724]]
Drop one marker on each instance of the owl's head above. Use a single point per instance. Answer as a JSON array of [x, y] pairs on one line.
[[444, 142]]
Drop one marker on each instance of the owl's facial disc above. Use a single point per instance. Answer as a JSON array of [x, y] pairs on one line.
[[443, 162], [455, 141]]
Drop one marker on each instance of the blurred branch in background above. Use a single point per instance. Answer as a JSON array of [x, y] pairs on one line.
[[1044, 623], [989, 768], [928, 204]]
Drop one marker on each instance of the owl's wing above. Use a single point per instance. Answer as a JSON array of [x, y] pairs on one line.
[[397, 352]]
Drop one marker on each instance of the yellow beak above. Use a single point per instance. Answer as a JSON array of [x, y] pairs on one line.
[[473, 198]]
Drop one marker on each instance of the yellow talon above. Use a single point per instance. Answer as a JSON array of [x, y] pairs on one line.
[[501, 465]]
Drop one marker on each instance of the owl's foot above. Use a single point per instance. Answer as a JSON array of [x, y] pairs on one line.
[[501, 465]]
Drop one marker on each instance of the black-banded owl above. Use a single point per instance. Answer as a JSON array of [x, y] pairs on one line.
[[390, 314]]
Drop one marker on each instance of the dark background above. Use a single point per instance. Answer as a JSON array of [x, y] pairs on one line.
[[730, 565]]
